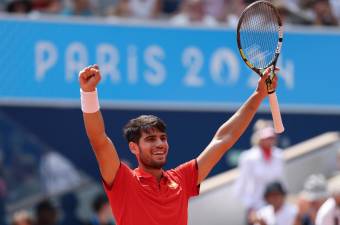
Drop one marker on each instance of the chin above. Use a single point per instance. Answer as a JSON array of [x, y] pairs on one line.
[[159, 165]]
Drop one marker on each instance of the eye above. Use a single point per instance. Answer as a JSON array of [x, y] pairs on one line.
[[150, 138], [164, 138]]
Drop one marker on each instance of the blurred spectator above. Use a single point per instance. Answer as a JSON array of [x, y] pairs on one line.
[[47, 6], [170, 7], [234, 9], [120, 9], [22, 218], [40, 5], [102, 7], [138, 9], [278, 211], [259, 166], [57, 173], [283, 11], [145, 9], [292, 4], [193, 11], [329, 212], [336, 8], [2, 5], [322, 11], [46, 213], [19, 6], [314, 194], [248, 2], [102, 211], [216, 9], [79, 8], [69, 204], [290, 12]]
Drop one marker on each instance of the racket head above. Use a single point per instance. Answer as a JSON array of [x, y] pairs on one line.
[[260, 35]]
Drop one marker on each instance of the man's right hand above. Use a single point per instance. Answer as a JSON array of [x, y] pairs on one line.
[[89, 78]]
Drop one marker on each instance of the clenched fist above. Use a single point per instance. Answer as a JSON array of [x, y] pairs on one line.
[[89, 78]]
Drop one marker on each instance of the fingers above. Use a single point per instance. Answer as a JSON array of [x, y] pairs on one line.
[[89, 77], [274, 82], [268, 81], [88, 72], [267, 72]]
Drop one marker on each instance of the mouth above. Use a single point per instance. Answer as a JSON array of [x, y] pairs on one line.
[[159, 154]]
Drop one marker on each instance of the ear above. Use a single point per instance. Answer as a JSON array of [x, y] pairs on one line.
[[133, 147]]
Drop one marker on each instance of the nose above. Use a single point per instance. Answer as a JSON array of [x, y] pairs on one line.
[[160, 143]]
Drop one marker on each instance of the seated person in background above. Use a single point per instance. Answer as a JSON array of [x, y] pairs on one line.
[[79, 8], [102, 211], [259, 166], [278, 211], [314, 194], [46, 213], [329, 212], [193, 12], [323, 13], [19, 7], [22, 218]]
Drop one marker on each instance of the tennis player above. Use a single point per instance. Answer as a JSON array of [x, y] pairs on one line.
[[149, 195]]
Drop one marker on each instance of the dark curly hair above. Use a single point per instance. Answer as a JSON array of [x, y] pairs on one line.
[[144, 123]]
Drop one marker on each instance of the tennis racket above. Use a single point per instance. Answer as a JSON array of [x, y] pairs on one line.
[[259, 40]]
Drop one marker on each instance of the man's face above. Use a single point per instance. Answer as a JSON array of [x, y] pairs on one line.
[[268, 142], [153, 149], [275, 199], [316, 204]]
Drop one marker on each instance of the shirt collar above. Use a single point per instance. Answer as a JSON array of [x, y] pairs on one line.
[[143, 174]]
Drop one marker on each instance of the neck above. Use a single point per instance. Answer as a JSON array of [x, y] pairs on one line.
[[267, 153]]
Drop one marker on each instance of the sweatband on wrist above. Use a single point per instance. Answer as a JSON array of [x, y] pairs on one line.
[[89, 101]]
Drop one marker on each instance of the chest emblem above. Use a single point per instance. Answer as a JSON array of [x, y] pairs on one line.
[[172, 184]]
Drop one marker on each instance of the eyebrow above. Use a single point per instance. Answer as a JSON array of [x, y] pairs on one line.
[[154, 135], [150, 136]]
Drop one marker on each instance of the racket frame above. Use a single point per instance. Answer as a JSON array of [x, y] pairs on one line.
[[274, 106]]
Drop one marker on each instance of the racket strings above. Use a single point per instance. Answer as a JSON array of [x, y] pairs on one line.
[[259, 35]]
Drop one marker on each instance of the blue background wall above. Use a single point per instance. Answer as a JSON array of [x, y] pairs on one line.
[[189, 132], [147, 69]]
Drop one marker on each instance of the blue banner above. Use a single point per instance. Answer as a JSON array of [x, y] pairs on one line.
[[159, 67]]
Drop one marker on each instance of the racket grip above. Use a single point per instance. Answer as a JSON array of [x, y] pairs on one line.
[[274, 107]]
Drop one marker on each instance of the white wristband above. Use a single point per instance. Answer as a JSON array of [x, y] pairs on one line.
[[89, 101]]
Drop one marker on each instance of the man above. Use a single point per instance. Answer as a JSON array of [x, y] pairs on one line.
[[259, 166], [277, 211], [101, 211], [329, 212], [46, 213], [314, 194], [148, 194]]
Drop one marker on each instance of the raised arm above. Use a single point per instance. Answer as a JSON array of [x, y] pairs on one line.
[[230, 131], [102, 146]]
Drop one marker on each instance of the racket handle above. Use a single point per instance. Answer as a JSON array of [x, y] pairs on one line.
[[274, 107]]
